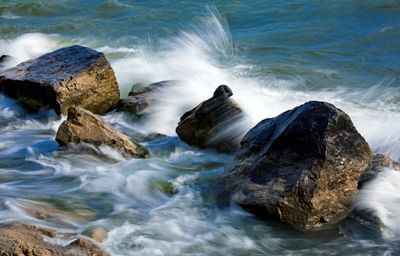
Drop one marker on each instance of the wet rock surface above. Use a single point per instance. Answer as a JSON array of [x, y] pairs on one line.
[[29, 240], [214, 123], [384, 161], [71, 76], [301, 167], [141, 98], [378, 164], [84, 127]]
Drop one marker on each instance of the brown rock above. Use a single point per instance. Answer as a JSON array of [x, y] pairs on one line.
[[380, 160], [378, 163], [214, 123], [28, 240], [83, 126], [45, 210], [99, 234], [301, 167], [71, 76], [141, 98]]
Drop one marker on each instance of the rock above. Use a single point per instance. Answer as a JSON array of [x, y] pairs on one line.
[[83, 126], [154, 136], [301, 167], [214, 123], [99, 234], [23, 239], [166, 187], [142, 97], [86, 247], [378, 163], [45, 211], [383, 161], [4, 58], [71, 76]]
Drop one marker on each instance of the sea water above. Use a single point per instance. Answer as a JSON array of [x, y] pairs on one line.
[[274, 55]]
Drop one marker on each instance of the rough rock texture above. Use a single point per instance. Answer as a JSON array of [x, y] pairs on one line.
[[301, 167], [83, 126], [28, 240], [141, 98], [71, 76], [378, 163], [214, 123], [380, 160]]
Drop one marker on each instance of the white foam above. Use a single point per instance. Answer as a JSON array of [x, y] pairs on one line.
[[203, 57], [9, 16], [381, 198], [28, 46]]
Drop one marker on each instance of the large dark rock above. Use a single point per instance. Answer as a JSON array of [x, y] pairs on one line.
[[71, 76], [214, 123], [140, 98], [84, 127], [22, 239], [301, 167]]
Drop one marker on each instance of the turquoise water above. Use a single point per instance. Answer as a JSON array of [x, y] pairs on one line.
[[273, 54]]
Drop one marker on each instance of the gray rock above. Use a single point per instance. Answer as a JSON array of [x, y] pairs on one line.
[[141, 98]]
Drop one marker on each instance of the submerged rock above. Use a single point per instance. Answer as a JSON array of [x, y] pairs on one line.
[[383, 161], [214, 123], [4, 58], [141, 98], [29, 240], [84, 127], [71, 76], [99, 234], [379, 163], [301, 167]]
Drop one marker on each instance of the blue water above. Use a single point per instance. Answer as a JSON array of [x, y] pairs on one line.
[[273, 54]]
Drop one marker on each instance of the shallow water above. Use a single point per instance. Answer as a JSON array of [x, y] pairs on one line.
[[273, 55]]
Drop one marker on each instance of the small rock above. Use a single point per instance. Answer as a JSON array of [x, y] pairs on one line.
[[86, 247], [214, 123], [380, 160], [165, 187], [83, 126], [22, 239], [141, 98], [378, 163], [4, 58], [99, 234], [301, 167], [223, 90], [154, 136], [71, 76]]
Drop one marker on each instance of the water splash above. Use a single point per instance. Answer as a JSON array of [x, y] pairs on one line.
[[381, 198]]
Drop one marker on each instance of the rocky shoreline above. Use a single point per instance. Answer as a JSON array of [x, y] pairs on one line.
[[302, 167]]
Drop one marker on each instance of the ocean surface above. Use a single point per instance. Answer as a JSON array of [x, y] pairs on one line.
[[274, 55]]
